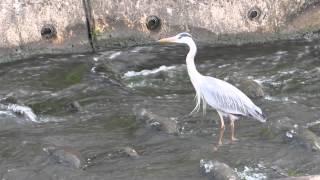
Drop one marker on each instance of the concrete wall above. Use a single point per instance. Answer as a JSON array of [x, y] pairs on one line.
[[32, 27], [21, 23], [214, 21]]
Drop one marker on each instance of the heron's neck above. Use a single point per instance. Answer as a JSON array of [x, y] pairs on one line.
[[192, 70]]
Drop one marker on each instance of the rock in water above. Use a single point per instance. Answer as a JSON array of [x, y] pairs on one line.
[[155, 121], [66, 156], [216, 170], [309, 139], [251, 88], [74, 107], [293, 132], [131, 152], [9, 100]]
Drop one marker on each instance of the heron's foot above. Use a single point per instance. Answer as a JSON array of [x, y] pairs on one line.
[[216, 147], [233, 139]]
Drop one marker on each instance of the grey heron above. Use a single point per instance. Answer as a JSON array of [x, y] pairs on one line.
[[228, 100]]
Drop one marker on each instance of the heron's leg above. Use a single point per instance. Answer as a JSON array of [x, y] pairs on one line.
[[232, 119], [222, 128]]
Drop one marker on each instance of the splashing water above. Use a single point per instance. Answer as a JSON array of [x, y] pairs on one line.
[[148, 72], [250, 173], [23, 110], [207, 165]]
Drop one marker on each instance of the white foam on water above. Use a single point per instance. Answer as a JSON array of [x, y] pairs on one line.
[[95, 59], [312, 123], [139, 49], [265, 80], [93, 69], [255, 58], [250, 173], [148, 72], [288, 72], [281, 52], [207, 165], [223, 66], [138, 84], [23, 110], [6, 113], [291, 133], [114, 55], [280, 99], [259, 81]]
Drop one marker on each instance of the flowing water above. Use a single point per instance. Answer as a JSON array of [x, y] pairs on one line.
[[83, 106]]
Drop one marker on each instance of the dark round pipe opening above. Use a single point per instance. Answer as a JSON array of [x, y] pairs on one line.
[[48, 31], [153, 23], [254, 13]]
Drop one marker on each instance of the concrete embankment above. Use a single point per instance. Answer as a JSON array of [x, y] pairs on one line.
[[33, 27]]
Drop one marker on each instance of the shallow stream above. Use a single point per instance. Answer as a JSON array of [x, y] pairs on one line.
[[85, 107]]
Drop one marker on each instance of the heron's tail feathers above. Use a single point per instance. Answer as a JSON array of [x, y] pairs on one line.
[[256, 113]]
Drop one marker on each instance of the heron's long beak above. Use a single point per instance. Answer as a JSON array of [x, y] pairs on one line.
[[167, 40]]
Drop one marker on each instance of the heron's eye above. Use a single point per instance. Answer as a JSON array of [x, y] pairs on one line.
[[184, 35]]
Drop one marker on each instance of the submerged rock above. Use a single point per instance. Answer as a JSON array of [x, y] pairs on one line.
[[74, 107], [106, 69], [251, 88], [155, 121], [10, 99], [216, 170], [309, 139], [117, 153], [66, 156], [291, 132], [131, 152], [314, 127]]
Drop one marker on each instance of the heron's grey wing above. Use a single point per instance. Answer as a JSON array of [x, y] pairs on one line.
[[225, 97]]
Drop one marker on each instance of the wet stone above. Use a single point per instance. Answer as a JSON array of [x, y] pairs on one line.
[[74, 107], [115, 154], [106, 69], [314, 127], [251, 88], [282, 124], [294, 133], [216, 170], [67, 156], [9, 100], [155, 121], [130, 152], [277, 128], [309, 139]]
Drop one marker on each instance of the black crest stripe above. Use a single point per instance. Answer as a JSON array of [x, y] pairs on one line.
[[184, 35]]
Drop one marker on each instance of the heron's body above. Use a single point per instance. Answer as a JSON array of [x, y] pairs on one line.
[[228, 100]]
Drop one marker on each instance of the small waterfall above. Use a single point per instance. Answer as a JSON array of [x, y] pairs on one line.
[[23, 110]]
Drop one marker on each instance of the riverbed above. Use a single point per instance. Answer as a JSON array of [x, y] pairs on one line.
[[83, 105]]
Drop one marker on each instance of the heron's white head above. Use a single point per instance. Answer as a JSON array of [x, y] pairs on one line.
[[183, 38]]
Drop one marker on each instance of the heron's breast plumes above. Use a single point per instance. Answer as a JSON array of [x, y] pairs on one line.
[[196, 82]]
